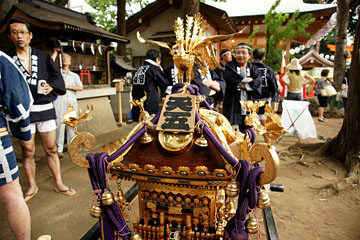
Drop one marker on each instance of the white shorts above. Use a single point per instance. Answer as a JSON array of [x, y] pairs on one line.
[[44, 126], [262, 116]]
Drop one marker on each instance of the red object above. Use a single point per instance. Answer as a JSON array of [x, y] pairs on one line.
[[282, 84], [85, 73]]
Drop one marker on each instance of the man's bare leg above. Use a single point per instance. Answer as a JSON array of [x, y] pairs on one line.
[[18, 213], [49, 144], [28, 152], [266, 137]]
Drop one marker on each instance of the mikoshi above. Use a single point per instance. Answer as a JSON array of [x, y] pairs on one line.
[[196, 176]]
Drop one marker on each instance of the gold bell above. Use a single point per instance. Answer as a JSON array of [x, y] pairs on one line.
[[252, 226], [120, 195], [95, 210], [263, 200], [231, 210], [107, 198], [232, 189], [135, 236], [146, 138], [201, 141]]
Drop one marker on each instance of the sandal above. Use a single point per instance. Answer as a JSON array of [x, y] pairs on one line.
[[68, 192], [321, 119], [29, 196]]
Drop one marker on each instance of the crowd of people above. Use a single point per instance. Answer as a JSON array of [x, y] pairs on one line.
[[224, 88]]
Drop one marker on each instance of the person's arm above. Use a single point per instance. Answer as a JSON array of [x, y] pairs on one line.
[[285, 79], [55, 53], [309, 78], [55, 81]]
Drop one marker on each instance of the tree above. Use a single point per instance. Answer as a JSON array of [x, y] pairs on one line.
[[106, 11], [342, 20], [346, 145], [275, 35]]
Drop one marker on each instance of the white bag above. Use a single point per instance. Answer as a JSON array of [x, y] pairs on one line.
[[343, 93], [331, 91], [338, 97]]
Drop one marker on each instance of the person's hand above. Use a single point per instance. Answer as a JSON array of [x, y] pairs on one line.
[[47, 89], [207, 83], [249, 79]]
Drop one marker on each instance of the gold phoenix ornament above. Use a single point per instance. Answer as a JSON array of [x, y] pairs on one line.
[[192, 46], [72, 120]]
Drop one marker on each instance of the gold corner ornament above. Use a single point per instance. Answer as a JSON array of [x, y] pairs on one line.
[[273, 124], [72, 120], [260, 152], [192, 46], [85, 139]]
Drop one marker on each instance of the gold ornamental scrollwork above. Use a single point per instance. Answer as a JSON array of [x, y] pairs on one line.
[[260, 152], [85, 139]]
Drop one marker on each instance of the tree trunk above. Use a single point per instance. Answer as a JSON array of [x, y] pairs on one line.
[[346, 145], [191, 7], [342, 20], [121, 25]]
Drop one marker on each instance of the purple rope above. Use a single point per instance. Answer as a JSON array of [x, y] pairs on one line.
[[124, 147], [112, 217]]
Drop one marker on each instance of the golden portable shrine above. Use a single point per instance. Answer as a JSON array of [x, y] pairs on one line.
[[196, 176]]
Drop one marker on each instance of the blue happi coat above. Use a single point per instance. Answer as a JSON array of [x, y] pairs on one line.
[[15, 103]]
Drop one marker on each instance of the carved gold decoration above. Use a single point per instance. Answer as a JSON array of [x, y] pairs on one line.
[[135, 236], [260, 152], [183, 170], [72, 120], [273, 124], [85, 139], [174, 142], [150, 168], [220, 173], [192, 45], [166, 170], [252, 119], [202, 170], [134, 167], [219, 126]]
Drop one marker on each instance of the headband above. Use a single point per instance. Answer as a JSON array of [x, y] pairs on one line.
[[225, 53], [244, 46]]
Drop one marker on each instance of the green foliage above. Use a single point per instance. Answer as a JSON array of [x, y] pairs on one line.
[[105, 13], [251, 37], [281, 28]]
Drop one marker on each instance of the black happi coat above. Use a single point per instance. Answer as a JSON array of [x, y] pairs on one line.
[[198, 78], [43, 68], [147, 79], [231, 106], [269, 85]]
